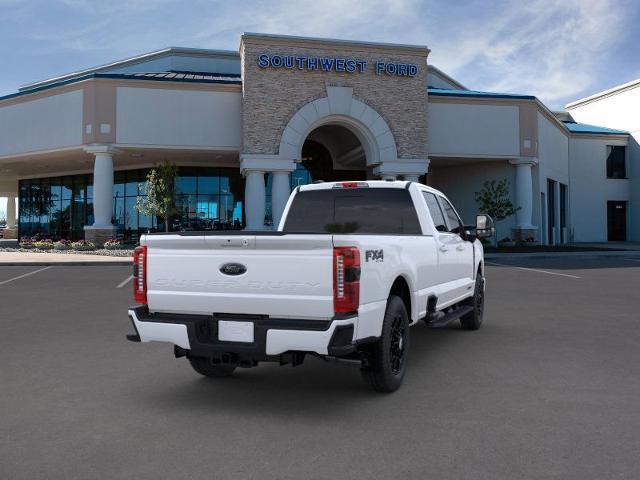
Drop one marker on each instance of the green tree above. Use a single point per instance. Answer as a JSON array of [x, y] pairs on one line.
[[493, 199], [160, 199]]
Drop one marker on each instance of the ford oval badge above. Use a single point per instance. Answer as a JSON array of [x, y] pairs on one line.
[[233, 269]]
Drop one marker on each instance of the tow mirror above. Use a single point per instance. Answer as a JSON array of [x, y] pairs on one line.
[[484, 226]]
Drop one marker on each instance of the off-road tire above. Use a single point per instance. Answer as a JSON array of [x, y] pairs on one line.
[[386, 359], [473, 319]]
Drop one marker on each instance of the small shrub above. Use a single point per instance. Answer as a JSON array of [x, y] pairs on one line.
[[62, 245], [43, 244], [26, 242], [113, 244], [83, 245]]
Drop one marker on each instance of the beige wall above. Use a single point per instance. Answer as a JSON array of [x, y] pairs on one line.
[[169, 117], [49, 122], [272, 96], [460, 129]]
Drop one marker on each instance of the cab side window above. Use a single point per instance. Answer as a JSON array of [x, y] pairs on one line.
[[455, 225], [435, 211]]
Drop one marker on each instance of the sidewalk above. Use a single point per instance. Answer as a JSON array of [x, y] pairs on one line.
[[593, 253], [32, 258]]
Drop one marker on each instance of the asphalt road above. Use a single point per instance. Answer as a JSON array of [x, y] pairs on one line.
[[548, 388]]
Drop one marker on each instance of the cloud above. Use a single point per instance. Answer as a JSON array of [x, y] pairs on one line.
[[547, 48], [555, 49]]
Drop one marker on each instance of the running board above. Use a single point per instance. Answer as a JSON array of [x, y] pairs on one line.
[[441, 319]]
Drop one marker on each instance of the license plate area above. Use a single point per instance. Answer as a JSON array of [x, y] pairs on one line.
[[236, 331]]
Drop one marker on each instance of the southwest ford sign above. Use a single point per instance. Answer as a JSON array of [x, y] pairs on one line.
[[331, 64]]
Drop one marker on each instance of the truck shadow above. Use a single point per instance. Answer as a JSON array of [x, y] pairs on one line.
[[316, 389]]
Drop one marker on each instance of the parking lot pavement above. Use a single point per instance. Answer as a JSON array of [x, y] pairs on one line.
[[548, 388]]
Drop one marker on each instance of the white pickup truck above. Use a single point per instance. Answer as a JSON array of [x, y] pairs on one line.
[[350, 268]]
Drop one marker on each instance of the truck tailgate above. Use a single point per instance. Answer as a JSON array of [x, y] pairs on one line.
[[285, 276]]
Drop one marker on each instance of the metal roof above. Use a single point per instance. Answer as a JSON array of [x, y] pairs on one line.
[[186, 77], [444, 92], [145, 57], [176, 75], [575, 127]]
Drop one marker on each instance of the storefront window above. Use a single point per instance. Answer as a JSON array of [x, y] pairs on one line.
[[300, 176], [60, 207]]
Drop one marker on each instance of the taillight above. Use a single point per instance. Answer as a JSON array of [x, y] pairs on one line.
[[346, 279], [140, 275]]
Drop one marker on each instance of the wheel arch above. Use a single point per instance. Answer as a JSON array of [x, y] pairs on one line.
[[400, 288]]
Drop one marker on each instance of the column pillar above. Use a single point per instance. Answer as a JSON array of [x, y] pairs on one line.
[[409, 169], [254, 199], [280, 190], [524, 198], [102, 228], [254, 167], [11, 232], [11, 212]]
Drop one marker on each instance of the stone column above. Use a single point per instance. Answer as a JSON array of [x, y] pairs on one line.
[[409, 169], [11, 232], [524, 198], [11, 211], [254, 199], [102, 228], [253, 167], [280, 190]]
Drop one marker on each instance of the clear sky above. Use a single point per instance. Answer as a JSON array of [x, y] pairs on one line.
[[558, 50]]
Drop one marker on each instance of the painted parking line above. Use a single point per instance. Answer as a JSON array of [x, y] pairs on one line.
[[25, 275], [125, 281], [533, 270]]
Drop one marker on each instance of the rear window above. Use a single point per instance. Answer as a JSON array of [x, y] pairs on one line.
[[353, 210]]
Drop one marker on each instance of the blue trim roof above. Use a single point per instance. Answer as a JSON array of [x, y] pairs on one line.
[[444, 92], [185, 77], [575, 127]]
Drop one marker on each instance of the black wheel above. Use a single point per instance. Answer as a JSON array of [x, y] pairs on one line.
[[205, 367], [386, 360], [473, 319]]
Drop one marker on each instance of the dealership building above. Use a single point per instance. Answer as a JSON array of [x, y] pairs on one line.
[[246, 127]]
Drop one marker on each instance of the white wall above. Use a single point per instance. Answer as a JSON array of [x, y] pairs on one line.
[[590, 189], [42, 124], [459, 183], [621, 111], [165, 117], [553, 158], [463, 129]]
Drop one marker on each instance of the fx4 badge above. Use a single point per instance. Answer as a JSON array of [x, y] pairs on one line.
[[374, 255]]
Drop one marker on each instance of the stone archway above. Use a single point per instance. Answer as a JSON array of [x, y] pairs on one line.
[[340, 108]]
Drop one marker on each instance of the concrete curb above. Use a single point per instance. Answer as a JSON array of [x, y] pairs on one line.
[[79, 263], [598, 254]]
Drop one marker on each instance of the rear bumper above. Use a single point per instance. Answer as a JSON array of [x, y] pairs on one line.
[[272, 337]]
